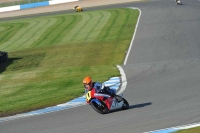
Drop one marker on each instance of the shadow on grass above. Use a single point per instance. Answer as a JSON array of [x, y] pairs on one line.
[[4, 65]]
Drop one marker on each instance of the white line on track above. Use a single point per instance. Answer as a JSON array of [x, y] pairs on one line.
[[123, 75], [129, 49]]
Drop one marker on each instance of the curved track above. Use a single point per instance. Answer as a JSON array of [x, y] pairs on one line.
[[163, 78]]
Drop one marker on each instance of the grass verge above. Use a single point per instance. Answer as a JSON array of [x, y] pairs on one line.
[[50, 55], [190, 130]]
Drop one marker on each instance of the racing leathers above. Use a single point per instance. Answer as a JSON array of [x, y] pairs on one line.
[[99, 89]]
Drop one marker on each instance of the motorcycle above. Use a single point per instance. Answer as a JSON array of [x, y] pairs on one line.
[[178, 2], [105, 103], [78, 9]]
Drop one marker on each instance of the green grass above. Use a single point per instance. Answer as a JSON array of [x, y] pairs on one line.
[[50, 55], [190, 130]]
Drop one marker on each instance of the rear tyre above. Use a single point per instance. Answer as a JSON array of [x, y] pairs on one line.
[[125, 104], [100, 109]]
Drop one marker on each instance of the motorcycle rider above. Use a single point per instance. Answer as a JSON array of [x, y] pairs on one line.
[[99, 89], [75, 6], [178, 1]]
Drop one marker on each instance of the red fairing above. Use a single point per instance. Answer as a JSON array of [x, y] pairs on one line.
[[104, 97], [108, 102]]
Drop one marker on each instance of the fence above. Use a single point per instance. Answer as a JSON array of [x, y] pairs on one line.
[[6, 3]]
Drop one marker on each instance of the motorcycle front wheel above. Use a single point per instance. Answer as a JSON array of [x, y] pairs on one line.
[[125, 104], [100, 109]]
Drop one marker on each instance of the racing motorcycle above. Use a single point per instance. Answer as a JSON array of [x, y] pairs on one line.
[[178, 2], [77, 8], [104, 104]]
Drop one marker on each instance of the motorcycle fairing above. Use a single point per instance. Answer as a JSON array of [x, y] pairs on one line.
[[116, 105], [96, 101], [110, 102]]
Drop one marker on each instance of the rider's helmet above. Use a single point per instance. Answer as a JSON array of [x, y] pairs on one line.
[[87, 82]]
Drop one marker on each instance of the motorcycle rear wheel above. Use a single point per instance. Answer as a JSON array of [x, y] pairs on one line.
[[100, 109], [125, 104]]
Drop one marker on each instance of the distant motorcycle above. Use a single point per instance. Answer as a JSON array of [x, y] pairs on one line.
[[178, 2], [103, 105], [77, 8]]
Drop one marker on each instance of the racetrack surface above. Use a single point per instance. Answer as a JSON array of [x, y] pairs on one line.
[[163, 78]]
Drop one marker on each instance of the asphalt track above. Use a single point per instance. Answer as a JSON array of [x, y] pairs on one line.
[[163, 78]]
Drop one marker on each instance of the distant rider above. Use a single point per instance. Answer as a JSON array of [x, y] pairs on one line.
[[75, 6], [178, 1], [99, 89]]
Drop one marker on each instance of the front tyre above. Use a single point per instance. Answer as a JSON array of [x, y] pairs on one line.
[[125, 104], [100, 109]]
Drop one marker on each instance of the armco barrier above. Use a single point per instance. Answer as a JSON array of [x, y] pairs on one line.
[[53, 2], [10, 8], [33, 5]]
